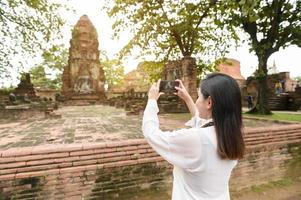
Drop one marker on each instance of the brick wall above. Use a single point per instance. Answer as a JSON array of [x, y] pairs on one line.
[[118, 169]]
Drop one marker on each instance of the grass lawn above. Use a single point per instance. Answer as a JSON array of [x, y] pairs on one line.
[[278, 116], [275, 116]]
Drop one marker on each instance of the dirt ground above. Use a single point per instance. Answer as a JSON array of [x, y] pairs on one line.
[[291, 192]]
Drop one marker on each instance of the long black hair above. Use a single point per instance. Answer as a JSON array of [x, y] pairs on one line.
[[226, 114]]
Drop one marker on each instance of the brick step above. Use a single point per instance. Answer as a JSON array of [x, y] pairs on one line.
[[280, 142], [268, 135], [273, 129], [53, 164]]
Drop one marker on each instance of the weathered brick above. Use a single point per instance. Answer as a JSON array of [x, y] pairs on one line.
[[16, 188], [37, 168], [7, 160], [12, 165], [116, 144], [40, 162], [148, 160], [105, 150], [8, 171], [63, 165], [127, 148], [94, 146], [113, 159], [30, 174], [109, 165], [44, 149], [114, 154], [132, 152], [126, 163], [135, 142], [7, 177], [70, 159], [144, 146], [42, 156], [13, 152], [85, 162], [72, 169], [90, 157], [79, 153]]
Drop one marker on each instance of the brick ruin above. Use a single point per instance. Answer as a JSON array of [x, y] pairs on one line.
[[23, 103], [25, 87], [83, 77], [231, 67], [289, 99]]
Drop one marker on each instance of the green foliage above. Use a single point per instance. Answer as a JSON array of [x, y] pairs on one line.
[[114, 72], [205, 67], [152, 69], [40, 80], [56, 57], [7, 91], [270, 24], [168, 29], [26, 28]]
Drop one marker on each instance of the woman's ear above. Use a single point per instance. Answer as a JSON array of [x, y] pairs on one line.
[[209, 103]]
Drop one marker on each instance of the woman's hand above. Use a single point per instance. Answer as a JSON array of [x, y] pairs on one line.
[[182, 92], [153, 92]]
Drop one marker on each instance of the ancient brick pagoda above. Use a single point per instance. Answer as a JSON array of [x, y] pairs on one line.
[[83, 77], [231, 67]]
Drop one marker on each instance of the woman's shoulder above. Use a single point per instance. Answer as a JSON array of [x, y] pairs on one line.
[[207, 135]]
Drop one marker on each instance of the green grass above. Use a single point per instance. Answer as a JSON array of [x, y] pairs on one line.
[[274, 116], [285, 182], [278, 116]]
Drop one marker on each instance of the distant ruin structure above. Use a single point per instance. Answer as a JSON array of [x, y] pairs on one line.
[[83, 77], [231, 67], [185, 70], [25, 87]]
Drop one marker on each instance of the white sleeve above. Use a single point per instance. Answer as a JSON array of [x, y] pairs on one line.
[[181, 148]]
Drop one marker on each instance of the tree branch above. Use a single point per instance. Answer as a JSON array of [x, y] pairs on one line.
[[174, 33]]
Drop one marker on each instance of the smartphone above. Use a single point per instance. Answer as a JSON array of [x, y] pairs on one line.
[[168, 86]]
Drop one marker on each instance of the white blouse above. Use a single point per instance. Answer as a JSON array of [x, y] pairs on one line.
[[199, 173]]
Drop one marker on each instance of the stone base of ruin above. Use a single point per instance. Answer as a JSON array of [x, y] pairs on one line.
[[84, 99]]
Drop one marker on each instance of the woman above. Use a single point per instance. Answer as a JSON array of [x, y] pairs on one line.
[[203, 156]]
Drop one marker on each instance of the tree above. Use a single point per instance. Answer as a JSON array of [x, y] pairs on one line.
[[152, 69], [39, 78], [56, 57], [114, 72], [27, 26], [54, 60], [270, 25], [168, 28]]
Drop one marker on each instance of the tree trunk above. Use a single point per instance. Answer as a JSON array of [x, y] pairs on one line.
[[262, 106]]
